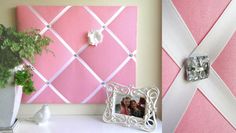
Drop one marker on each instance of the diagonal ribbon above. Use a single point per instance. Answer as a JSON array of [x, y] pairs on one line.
[[119, 42], [48, 26], [176, 38]]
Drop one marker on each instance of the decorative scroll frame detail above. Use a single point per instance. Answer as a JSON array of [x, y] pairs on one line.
[[151, 94]]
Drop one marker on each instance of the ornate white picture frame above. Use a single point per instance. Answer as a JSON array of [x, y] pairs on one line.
[[116, 93]]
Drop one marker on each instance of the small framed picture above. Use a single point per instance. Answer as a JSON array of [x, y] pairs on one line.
[[132, 107]]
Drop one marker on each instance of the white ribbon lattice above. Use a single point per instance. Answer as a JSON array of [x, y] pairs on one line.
[[75, 56], [176, 38]]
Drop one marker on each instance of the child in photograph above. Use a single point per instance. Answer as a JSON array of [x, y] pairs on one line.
[[134, 109], [125, 103], [141, 104]]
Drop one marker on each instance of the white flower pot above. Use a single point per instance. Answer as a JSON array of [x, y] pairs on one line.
[[10, 99]]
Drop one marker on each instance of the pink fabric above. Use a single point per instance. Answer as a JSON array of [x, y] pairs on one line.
[[169, 72], [109, 11], [201, 116], [33, 23], [103, 59], [68, 27], [200, 15], [47, 63], [48, 13], [119, 78], [76, 84], [127, 34], [49, 96], [225, 65]]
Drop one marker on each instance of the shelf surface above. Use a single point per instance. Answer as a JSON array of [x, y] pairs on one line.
[[77, 124]]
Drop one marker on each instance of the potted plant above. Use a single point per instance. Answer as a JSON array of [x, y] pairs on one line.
[[15, 76]]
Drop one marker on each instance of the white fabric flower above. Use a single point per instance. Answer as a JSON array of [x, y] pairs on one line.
[[95, 37]]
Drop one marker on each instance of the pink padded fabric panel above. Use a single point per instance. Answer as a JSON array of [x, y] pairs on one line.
[[77, 73], [201, 116]]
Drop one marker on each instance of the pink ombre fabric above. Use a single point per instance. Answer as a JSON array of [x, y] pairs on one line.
[[76, 83], [201, 116]]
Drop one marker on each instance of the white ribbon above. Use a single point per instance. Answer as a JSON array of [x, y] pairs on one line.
[[179, 44], [76, 55]]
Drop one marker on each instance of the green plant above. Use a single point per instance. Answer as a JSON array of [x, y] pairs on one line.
[[23, 78], [14, 48]]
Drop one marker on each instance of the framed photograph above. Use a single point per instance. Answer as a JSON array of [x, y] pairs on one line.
[[131, 107]]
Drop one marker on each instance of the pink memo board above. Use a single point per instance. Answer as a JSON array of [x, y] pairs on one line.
[[201, 115], [77, 72]]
